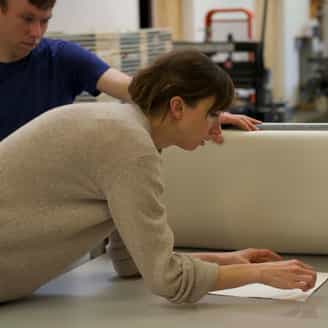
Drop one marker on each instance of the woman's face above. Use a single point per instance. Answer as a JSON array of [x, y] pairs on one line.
[[195, 123]]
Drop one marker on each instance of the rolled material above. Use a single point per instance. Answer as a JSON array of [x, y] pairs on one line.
[[259, 189]]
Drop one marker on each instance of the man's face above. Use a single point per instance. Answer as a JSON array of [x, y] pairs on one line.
[[22, 26]]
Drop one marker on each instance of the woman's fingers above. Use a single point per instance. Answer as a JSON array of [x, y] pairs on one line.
[[301, 264], [263, 255], [270, 255], [288, 274], [306, 281]]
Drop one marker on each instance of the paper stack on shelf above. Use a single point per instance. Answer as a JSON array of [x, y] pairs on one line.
[[125, 51]]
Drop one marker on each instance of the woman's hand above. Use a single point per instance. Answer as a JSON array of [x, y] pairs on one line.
[[287, 275], [240, 121], [253, 255], [282, 274]]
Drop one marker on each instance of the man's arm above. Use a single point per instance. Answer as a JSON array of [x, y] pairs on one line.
[[115, 84]]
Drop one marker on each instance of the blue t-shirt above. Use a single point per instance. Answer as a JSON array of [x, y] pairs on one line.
[[53, 74]]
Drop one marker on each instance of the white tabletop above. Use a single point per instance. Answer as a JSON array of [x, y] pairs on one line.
[[92, 296]]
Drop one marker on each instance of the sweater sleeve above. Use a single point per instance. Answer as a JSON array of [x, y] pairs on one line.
[[138, 213], [121, 258]]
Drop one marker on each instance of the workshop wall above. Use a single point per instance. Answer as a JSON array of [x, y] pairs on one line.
[[85, 16], [296, 14], [325, 28]]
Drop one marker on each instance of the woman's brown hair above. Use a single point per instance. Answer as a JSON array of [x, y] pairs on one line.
[[185, 73]]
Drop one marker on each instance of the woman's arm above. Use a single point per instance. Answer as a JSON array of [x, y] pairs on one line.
[[249, 255], [259, 266], [135, 202], [121, 258], [282, 274]]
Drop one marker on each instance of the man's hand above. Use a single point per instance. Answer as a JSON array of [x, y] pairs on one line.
[[240, 121]]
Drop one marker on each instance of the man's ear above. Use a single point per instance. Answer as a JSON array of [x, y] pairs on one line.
[[177, 107]]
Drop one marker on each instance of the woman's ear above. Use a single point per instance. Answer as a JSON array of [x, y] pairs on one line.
[[177, 107]]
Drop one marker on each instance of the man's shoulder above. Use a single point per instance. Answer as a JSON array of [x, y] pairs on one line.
[[55, 47], [47, 45]]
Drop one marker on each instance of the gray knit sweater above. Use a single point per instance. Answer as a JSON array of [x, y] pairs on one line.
[[76, 175]]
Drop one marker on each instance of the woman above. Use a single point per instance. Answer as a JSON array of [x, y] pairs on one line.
[[70, 178]]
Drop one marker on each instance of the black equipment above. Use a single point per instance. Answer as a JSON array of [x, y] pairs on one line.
[[249, 74]]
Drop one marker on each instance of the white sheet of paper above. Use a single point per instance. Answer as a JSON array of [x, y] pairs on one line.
[[263, 291]]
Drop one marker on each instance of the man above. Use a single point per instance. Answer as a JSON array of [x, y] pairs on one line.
[[37, 74]]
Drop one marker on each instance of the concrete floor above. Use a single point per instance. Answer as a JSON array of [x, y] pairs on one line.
[[92, 296]]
